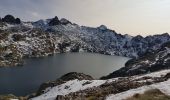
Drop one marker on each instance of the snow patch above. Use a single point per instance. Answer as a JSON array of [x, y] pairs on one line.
[[163, 87], [68, 87]]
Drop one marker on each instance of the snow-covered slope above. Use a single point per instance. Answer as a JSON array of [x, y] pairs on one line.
[[79, 88], [164, 87], [68, 87]]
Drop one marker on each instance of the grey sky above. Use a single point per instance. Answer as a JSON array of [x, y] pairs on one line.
[[125, 16]]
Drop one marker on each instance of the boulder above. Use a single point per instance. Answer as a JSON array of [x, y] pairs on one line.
[[167, 76]]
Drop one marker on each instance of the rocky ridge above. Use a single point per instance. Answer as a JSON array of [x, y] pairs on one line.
[[101, 89], [151, 61], [46, 37]]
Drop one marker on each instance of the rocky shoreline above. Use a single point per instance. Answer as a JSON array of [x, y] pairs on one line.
[[149, 66], [20, 39], [149, 62], [96, 92]]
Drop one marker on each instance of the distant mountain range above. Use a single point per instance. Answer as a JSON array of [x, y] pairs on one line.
[[20, 39], [44, 37]]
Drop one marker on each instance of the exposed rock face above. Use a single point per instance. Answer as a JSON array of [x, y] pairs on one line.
[[11, 20], [54, 21], [75, 48], [9, 55], [46, 37], [75, 75], [63, 79], [17, 21], [18, 37], [65, 21], [102, 27], [167, 76], [103, 40], [151, 61], [8, 19]]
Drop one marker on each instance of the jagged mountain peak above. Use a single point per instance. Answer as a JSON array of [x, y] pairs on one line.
[[65, 21], [164, 34], [10, 19], [102, 27], [69, 37], [47, 23], [54, 21]]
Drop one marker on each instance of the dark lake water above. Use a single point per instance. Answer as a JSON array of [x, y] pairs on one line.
[[27, 79]]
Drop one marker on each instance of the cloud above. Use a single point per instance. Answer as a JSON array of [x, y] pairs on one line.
[[34, 14]]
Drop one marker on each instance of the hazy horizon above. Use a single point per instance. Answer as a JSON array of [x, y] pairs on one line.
[[133, 17]]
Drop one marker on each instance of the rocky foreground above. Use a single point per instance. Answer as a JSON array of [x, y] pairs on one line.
[[78, 86], [147, 74], [20, 39], [89, 89]]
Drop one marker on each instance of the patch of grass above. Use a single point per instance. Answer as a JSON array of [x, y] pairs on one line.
[[7, 97], [95, 96], [11, 96], [154, 94], [92, 98]]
